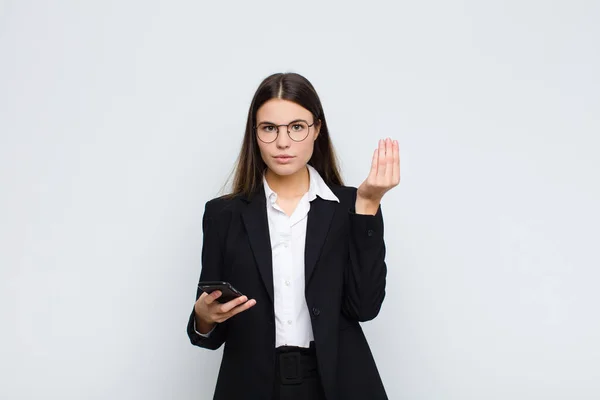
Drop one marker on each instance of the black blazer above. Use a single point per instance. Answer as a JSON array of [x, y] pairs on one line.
[[345, 275]]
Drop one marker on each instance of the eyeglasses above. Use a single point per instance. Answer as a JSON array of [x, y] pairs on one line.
[[297, 130]]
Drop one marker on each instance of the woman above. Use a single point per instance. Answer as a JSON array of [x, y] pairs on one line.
[[306, 252]]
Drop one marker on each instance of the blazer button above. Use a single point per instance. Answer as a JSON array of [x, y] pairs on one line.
[[316, 311], [370, 232]]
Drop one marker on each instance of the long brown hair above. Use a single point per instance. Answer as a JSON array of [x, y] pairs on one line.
[[250, 166]]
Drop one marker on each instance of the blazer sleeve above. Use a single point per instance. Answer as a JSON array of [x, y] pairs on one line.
[[365, 273], [212, 262]]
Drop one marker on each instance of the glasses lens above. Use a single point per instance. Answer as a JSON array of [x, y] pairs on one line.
[[298, 130], [266, 132]]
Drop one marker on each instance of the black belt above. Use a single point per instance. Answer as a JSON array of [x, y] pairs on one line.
[[296, 363]]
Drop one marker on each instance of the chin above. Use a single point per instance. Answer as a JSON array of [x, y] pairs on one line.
[[285, 170]]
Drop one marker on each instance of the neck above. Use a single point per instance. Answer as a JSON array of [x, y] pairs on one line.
[[289, 186]]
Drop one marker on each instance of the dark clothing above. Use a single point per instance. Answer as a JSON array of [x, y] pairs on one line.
[[345, 275], [297, 376]]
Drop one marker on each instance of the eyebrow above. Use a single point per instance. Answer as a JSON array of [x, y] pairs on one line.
[[273, 123]]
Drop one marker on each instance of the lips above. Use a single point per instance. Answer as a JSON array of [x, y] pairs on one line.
[[283, 159]]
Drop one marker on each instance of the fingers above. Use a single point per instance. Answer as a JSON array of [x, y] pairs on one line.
[[381, 167], [243, 307], [210, 298], [385, 166], [396, 163], [214, 312], [231, 308], [232, 304], [389, 158]]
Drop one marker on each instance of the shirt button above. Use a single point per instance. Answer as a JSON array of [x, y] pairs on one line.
[[316, 311], [287, 283], [289, 321], [370, 232]]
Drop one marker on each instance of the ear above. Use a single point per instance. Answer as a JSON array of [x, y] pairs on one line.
[[317, 129]]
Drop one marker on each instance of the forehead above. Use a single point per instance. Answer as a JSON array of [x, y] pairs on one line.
[[282, 111]]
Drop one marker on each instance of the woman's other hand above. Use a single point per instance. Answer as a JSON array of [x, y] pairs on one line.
[[210, 312]]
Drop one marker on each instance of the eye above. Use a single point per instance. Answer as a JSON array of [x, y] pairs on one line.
[[268, 128], [297, 127]]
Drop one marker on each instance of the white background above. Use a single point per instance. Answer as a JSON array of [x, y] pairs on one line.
[[120, 119]]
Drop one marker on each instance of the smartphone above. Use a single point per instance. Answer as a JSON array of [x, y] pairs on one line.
[[228, 292]]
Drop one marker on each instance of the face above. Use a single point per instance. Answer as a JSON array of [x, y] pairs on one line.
[[285, 155]]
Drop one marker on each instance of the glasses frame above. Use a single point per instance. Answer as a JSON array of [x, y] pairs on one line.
[[288, 130]]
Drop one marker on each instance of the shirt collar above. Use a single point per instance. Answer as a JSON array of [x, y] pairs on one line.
[[317, 187]]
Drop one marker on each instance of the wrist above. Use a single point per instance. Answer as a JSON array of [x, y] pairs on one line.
[[366, 206], [203, 326]]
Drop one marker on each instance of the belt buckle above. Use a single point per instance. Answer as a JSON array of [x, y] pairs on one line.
[[290, 368]]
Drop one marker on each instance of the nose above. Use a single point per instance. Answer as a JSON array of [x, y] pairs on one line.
[[283, 140]]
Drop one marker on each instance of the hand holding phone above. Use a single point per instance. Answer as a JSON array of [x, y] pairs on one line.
[[228, 292], [210, 310]]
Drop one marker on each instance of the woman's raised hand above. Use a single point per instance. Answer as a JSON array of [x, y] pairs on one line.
[[383, 176]]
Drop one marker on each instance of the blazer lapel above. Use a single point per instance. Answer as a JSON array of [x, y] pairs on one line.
[[257, 228], [319, 219]]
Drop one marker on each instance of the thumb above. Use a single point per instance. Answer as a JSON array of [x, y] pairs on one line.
[[374, 163]]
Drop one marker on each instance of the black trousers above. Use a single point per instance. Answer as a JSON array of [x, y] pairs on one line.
[[297, 375]]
